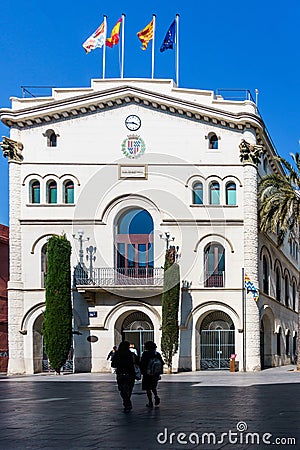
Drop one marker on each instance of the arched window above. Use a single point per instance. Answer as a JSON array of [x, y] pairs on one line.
[[287, 343], [43, 265], [34, 191], [51, 138], [212, 141], [278, 285], [214, 264], [265, 276], [198, 193], [51, 192], [278, 346], [294, 296], [286, 290], [134, 243], [68, 191], [230, 193], [214, 193]]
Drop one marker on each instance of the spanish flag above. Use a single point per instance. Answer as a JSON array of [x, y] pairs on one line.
[[115, 35], [146, 34]]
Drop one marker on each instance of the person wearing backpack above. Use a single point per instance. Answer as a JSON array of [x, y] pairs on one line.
[[151, 368]]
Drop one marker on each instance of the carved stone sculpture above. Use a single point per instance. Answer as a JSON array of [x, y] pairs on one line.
[[250, 153], [11, 149]]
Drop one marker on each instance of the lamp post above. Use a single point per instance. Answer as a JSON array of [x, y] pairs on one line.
[[91, 258], [81, 241], [167, 239]]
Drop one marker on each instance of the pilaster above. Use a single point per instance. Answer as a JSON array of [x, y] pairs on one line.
[[13, 151], [250, 157]]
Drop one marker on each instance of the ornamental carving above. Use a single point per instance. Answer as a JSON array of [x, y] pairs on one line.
[[12, 149], [250, 153]]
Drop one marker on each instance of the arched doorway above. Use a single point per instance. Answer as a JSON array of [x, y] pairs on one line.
[[137, 328], [134, 253], [266, 334], [38, 345], [40, 359], [216, 341]]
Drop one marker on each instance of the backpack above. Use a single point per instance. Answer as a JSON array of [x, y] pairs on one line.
[[154, 368]]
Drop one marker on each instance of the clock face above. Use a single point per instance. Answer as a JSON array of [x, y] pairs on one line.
[[133, 122]]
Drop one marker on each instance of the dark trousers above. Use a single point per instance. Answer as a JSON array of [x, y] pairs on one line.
[[125, 386]]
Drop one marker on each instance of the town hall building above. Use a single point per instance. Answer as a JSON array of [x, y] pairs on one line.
[[126, 168]]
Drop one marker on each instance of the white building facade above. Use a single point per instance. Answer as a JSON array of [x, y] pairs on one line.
[[122, 168]]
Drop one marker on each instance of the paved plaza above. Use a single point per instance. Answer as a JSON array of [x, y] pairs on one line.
[[205, 410]]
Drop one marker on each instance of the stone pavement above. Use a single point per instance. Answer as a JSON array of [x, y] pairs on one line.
[[211, 410]]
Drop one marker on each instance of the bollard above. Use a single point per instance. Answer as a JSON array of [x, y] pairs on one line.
[[232, 363]]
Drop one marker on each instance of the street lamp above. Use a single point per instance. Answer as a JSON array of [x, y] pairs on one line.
[[167, 238], [91, 257], [81, 241]]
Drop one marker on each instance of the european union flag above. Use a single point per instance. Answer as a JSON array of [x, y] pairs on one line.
[[169, 38]]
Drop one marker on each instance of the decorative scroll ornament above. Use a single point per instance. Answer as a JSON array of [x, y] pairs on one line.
[[133, 146], [12, 149], [250, 153]]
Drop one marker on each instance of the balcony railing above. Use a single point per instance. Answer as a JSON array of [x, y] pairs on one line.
[[214, 280], [137, 276]]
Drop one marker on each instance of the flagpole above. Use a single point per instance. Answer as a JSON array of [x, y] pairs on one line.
[[122, 60], [153, 42], [177, 50], [104, 47]]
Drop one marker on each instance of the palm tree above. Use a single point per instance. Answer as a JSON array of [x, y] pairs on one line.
[[279, 212]]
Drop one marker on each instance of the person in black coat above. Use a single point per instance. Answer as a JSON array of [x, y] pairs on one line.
[[123, 361], [149, 382]]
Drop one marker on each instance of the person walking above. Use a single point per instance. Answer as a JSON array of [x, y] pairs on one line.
[[151, 368], [123, 361], [110, 356]]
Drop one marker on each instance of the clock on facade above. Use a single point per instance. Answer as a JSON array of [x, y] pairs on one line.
[[133, 122]]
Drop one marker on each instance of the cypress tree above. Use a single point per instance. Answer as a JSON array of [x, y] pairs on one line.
[[57, 324], [170, 306]]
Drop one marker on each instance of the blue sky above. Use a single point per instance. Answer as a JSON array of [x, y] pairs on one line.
[[234, 44]]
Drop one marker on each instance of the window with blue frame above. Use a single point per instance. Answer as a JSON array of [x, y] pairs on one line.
[[230, 193], [134, 242], [214, 193], [198, 193], [69, 191], [51, 192], [35, 191], [213, 141]]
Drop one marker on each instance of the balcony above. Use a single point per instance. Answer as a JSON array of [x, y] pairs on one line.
[[118, 281], [214, 280]]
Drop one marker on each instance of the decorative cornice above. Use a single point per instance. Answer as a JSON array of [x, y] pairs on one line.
[[95, 102]]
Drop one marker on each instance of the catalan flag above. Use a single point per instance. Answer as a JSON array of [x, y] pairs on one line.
[[249, 286], [169, 38], [115, 35], [146, 34], [96, 40]]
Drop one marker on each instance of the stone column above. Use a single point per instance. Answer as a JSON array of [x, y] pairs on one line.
[[13, 151], [250, 157]]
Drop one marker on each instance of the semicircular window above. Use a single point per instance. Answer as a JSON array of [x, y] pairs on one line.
[[134, 243]]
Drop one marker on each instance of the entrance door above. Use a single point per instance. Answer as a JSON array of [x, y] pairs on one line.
[[137, 328], [217, 341], [216, 348], [138, 338]]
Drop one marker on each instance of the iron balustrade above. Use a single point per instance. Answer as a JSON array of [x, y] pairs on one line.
[[107, 276], [214, 279]]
